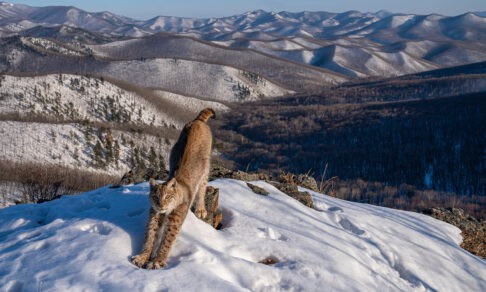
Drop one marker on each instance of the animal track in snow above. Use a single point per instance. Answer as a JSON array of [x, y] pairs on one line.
[[344, 222], [335, 210], [349, 226], [268, 232], [320, 206], [386, 256], [104, 206], [299, 268], [99, 228], [136, 213]]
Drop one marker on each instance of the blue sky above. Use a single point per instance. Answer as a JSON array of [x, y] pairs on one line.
[[145, 9]]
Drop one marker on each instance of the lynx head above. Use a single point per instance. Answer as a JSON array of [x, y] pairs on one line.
[[164, 197]]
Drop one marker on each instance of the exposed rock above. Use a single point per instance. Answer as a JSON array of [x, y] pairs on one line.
[[303, 197], [269, 261], [287, 178], [288, 182], [292, 191], [217, 220], [222, 172], [214, 217], [241, 175], [473, 230], [137, 175], [257, 190], [303, 180], [219, 172], [307, 182]]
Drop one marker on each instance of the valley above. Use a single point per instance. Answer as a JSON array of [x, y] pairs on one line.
[[391, 99]]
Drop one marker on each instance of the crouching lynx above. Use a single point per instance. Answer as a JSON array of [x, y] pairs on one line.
[[170, 201]]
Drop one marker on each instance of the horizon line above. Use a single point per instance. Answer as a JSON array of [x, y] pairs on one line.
[[256, 10]]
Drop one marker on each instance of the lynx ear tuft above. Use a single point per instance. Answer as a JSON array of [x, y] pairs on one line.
[[172, 183]]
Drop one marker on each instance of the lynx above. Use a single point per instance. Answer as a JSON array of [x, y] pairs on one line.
[[170, 201]]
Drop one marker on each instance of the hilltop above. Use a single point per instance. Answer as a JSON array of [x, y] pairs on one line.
[[85, 242]]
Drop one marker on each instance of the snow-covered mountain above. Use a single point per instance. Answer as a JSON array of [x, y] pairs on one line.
[[215, 75], [59, 119], [352, 43], [258, 24], [84, 242], [16, 17]]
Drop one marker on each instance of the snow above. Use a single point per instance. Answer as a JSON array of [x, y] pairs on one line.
[[374, 62], [191, 78], [66, 145], [277, 28], [191, 104], [307, 43], [84, 242], [399, 20], [86, 96], [48, 45]]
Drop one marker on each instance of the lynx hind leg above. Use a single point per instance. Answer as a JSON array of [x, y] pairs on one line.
[[150, 234], [174, 224], [201, 211]]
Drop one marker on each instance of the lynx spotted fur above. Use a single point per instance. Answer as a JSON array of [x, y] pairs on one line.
[[170, 201]]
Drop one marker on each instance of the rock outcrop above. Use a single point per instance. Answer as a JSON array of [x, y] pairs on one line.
[[139, 174], [473, 230], [257, 190], [214, 216]]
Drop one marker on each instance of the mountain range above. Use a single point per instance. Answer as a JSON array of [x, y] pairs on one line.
[[266, 243], [386, 108], [258, 24], [350, 44], [73, 84]]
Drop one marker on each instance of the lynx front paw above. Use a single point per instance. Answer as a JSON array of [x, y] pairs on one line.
[[155, 265], [139, 260], [201, 213]]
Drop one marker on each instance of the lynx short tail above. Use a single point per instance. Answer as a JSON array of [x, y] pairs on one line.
[[206, 114]]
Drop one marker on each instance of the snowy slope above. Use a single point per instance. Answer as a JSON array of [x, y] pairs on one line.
[[67, 145], [84, 242], [380, 44], [79, 98], [299, 37], [45, 119], [191, 78], [253, 24]]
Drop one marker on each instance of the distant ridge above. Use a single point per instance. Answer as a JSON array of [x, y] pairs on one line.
[[352, 43], [319, 24]]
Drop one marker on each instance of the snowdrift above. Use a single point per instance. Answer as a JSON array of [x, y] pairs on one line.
[[84, 242]]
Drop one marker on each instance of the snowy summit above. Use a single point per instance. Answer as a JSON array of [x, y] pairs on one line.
[[84, 243]]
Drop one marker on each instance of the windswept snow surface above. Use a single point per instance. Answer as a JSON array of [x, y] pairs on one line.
[[84, 242]]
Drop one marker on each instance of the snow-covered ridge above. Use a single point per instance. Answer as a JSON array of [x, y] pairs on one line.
[[84, 242], [59, 119], [78, 98], [281, 24], [300, 37], [207, 81], [71, 145], [75, 97]]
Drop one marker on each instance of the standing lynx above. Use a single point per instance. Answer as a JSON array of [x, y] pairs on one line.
[[170, 201]]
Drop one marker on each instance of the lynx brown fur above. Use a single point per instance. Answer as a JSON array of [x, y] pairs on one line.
[[170, 201]]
